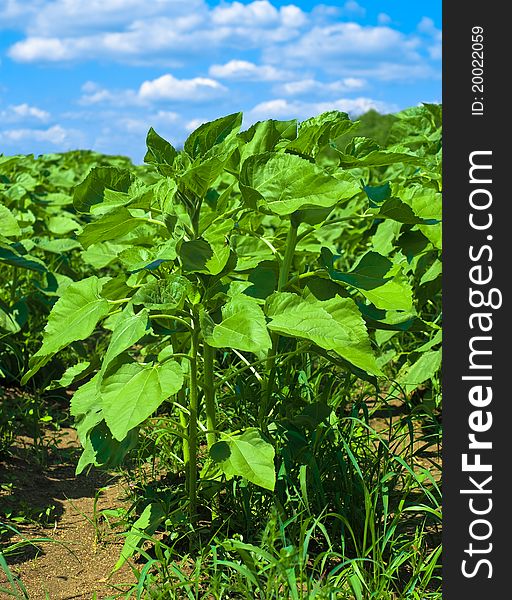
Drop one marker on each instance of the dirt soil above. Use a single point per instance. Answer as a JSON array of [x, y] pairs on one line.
[[77, 562]]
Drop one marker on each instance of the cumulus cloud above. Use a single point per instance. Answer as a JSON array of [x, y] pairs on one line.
[[285, 109], [131, 31], [164, 88], [353, 9], [56, 135], [427, 27], [312, 86], [194, 124], [245, 70], [23, 112], [168, 87], [383, 19], [343, 44], [257, 14]]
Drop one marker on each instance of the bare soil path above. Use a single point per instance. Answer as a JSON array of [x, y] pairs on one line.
[[77, 562]]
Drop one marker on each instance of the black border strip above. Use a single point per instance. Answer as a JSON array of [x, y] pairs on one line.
[[476, 514]]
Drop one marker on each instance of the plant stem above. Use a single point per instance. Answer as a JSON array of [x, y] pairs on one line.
[[184, 425], [209, 394], [284, 272], [192, 428]]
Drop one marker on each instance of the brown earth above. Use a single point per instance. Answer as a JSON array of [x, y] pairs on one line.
[[77, 561]]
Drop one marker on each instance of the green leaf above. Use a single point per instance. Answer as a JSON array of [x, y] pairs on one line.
[[101, 254], [246, 455], [363, 152], [432, 272], [74, 316], [377, 193], [8, 224], [143, 527], [61, 225], [10, 256], [217, 237], [100, 179], [58, 246], [371, 277], [70, 375], [422, 370], [195, 255], [160, 151], [164, 294], [198, 178], [426, 204], [130, 327], [110, 226], [243, 327], [101, 449], [319, 131], [284, 183], [264, 135], [395, 209], [133, 392], [334, 324], [208, 135]]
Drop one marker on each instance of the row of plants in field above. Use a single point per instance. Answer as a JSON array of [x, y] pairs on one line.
[[231, 308]]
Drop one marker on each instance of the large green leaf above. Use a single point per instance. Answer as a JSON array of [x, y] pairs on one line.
[[422, 370], [8, 224], [199, 177], [10, 256], [243, 327], [133, 392], [74, 316], [284, 183], [130, 327], [264, 135], [317, 132], [208, 135], [93, 188], [160, 151], [246, 455], [375, 277], [110, 226], [334, 324]]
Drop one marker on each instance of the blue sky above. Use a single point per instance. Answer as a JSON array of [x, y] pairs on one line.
[[98, 73]]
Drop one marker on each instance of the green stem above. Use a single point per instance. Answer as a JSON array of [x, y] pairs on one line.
[[209, 394], [284, 273], [192, 427], [184, 426], [172, 318]]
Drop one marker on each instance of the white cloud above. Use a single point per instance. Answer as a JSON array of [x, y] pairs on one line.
[[131, 31], [194, 124], [168, 87], [260, 13], [243, 69], [79, 17], [282, 108], [39, 48], [434, 47], [353, 9], [164, 88], [312, 86], [335, 44], [383, 19], [56, 136], [23, 112], [140, 125]]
